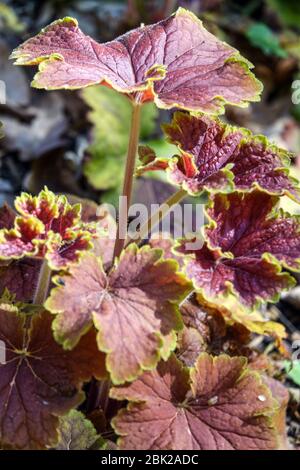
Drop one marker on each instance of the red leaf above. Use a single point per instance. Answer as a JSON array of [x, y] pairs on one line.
[[176, 63], [165, 242], [217, 332], [39, 381], [245, 245], [20, 278], [60, 254], [218, 405], [216, 156], [7, 217], [134, 307]]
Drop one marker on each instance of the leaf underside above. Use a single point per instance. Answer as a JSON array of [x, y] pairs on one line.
[[217, 405], [40, 381], [246, 246]]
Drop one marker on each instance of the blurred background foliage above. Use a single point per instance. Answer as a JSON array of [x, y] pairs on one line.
[[75, 142]]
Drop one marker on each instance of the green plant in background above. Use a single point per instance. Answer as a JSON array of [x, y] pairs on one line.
[[287, 10], [77, 433]]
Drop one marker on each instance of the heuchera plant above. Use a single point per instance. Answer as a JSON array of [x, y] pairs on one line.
[[162, 329]]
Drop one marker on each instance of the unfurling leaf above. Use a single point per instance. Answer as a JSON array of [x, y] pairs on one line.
[[104, 241], [39, 380], [246, 245], [77, 433], [217, 405], [134, 308], [215, 156], [47, 227], [176, 63]]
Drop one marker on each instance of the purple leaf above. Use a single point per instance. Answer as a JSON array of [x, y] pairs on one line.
[[176, 63], [246, 244]]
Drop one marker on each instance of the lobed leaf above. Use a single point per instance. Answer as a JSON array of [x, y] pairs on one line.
[[217, 157], [281, 395], [246, 246], [175, 62], [222, 326], [40, 381], [217, 405], [189, 346], [251, 224], [134, 308]]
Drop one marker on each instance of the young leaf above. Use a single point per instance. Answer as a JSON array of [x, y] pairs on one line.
[[47, 227], [77, 433], [246, 244], [39, 381], [104, 241], [134, 308], [215, 156], [111, 117], [217, 405], [176, 63]]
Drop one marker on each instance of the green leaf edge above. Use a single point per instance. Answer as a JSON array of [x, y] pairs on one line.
[[190, 371], [44, 61], [161, 351]]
